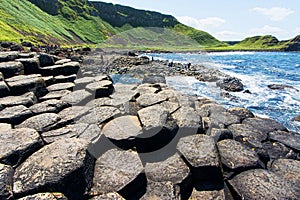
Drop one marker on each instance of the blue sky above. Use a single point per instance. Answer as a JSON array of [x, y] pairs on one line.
[[231, 19]]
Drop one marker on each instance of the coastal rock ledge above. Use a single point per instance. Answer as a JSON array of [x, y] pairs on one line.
[[64, 135]]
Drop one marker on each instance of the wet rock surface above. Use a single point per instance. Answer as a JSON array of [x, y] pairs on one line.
[[65, 135]]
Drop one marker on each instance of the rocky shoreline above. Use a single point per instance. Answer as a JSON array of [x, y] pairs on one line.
[[68, 132]]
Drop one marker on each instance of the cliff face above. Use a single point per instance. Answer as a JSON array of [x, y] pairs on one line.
[[49, 6], [118, 16], [293, 44]]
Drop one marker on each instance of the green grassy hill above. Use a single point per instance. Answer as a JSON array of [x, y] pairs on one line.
[[83, 22]]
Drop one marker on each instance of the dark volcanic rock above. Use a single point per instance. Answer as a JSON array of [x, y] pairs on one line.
[[61, 86], [173, 170], [236, 156], [224, 119], [64, 69], [152, 79], [208, 195], [149, 99], [15, 115], [280, 87], [108, 196], [8, 56], [242, 113], [230, 84], [201, 154], [119, 171], [264, 125], [46, 60], [207, 109], [162, 191], [100, 115], [55, 95], [45, 196], [289, 139], [52, 105], [262, 184], [26, 83], [73, 114], [220, 134], [10, 69], [41, 123], [247, 131], [288, 169], [31, 65], [4, 90], [63, 79], [66, 167], [277, 150], [6, 182], [17, 144], [101, 88], [1, 77], [78, 97]]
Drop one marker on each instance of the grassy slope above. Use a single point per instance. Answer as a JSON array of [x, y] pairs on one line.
[[21, 19]]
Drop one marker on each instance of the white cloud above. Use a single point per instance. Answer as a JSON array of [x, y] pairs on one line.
[[274, 13], [268, 30], [227, 35], [201, 23]]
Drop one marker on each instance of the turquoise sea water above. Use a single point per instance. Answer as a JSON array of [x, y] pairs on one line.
[[256, 70]]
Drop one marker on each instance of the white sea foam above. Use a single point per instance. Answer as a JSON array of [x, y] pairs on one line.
[[231, 53]]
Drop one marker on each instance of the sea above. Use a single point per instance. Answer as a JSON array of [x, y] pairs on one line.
[[256, 70]]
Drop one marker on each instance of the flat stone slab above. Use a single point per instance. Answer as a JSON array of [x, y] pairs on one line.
[[289, 139], [262, 184], [31, 65], [264, 125], [188, 119], [15, 115], [11, 68], [61, 86], [236, 156], [100, 115], [224, 119], [63, 79], [207, 109], [247, 131], [8, 56], [55, 95], [42, 122], [45, 196], [4, 90], [64, 69], [64, 166], [82, 82], [220, 134], [288, 169], [161, 191], [108, 196], [78, 97], [100, 88], [6, 182], [172, 169], [73, 114], [17, 144], [207, 195], [52, 105], [5, 127], [149, 99], [27, 99], [118, 171], [201, 154]]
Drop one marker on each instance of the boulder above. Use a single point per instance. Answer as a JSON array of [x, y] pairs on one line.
[[242, 113], [10, 69], [296, 119], [152, 79], [278, 150], [64, 69], [42, 122], [101, 88], [188, 120], [8, 56], [173, 170], [231, 84], [63, 79], [4, 90], [288, 169], [281, 87], [264, 125], [224, 119], [119, 171], [49, 106], [108, 196], [27, 99], [27, 83], [31, 65], [262, 184], [78, 97], [149, 99], [289, 139], [14, 115], [61, 86], [55, 95], [6, 182], [66, 167], [18, 144], [45, 196], [236, 157], [201, 154], [207, 109], [161, 190], [100, 115], [46, 60]]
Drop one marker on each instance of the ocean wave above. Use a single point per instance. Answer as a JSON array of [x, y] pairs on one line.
[[231, 53]]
